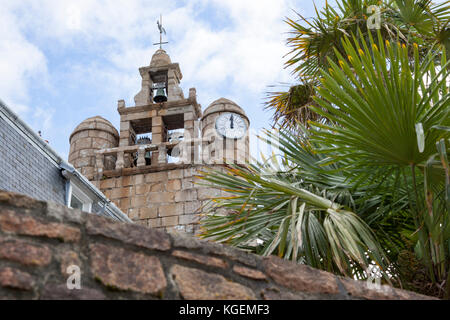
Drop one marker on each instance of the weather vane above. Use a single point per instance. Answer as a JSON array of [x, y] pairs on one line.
[[161, 31]]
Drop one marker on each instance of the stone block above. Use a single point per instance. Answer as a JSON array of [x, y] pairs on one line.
[[124, 181], [83, 143], [142, 189], [11, 222], [173, 209], [249, 273], [21, 201], [202, 259], [189, 218], [133, 214], [148, 213], [128, 233], [139, 179], [175, 174], [25, 253], [118, 193], [139, 201], [16, 279], [195, 284], [156, 187], [126, 270], [156, 177], [173, 185], [107, 183], [161, 197], [186, 195], [300, 277], [192, 207], [187, 183], [169, 221], [208, 193]]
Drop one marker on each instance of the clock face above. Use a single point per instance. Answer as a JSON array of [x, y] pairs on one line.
[[231, 125]]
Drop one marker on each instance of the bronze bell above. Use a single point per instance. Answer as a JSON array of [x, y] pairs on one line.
[[160, 96]]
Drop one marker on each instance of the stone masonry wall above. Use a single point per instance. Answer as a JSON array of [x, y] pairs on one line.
[[166, 199], [39, 240]]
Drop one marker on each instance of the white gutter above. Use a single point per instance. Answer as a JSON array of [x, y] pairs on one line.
[[108, 206]]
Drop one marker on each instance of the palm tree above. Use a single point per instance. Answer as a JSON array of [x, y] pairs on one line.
[[363, 186], [313, 42]]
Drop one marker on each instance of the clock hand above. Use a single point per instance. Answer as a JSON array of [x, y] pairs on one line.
[[232, 124]]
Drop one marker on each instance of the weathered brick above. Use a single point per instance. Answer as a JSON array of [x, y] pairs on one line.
[[189, 172], [161, 197], [128, 233], [189, 218], [61, 292], [187, 183], [139, 179], [156, 187], [25, 225], [175, 174], [64, 214], [20, 201], [84, 143], [133, 214], [169, 221], [202, 259], [195, 284], [67, 259], [186, 195], [154, 223], [181, 240], [249, 273], [208, 193], [24, 253], [192, 207], [156, 176], [148, 213], [142, 189], [139, 201], [173, 209], [14, 278], [120, 192], [126, 270], [124, 181], [300, 277], [173, 185], [107, 183]]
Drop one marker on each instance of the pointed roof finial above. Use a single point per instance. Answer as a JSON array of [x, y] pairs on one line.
[[161, 31]]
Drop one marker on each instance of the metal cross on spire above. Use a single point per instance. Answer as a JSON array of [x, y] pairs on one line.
[[161, 31]]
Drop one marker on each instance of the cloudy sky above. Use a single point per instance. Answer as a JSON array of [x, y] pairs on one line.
[[63, 61]]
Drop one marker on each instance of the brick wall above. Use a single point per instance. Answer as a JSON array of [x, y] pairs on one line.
[[25, 170], [170, 199], [39, 240]]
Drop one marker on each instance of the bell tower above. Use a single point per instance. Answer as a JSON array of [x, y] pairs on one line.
[[149, 168], [160, 81]]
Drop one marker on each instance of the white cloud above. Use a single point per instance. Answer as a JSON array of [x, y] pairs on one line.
[[21, 63], [225, 48]]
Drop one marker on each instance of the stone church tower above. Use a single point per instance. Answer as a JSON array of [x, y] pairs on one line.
[[149, 168]]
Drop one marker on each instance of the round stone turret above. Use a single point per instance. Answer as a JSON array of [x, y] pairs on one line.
[[90, 135], [236, 150], [215, 109]]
